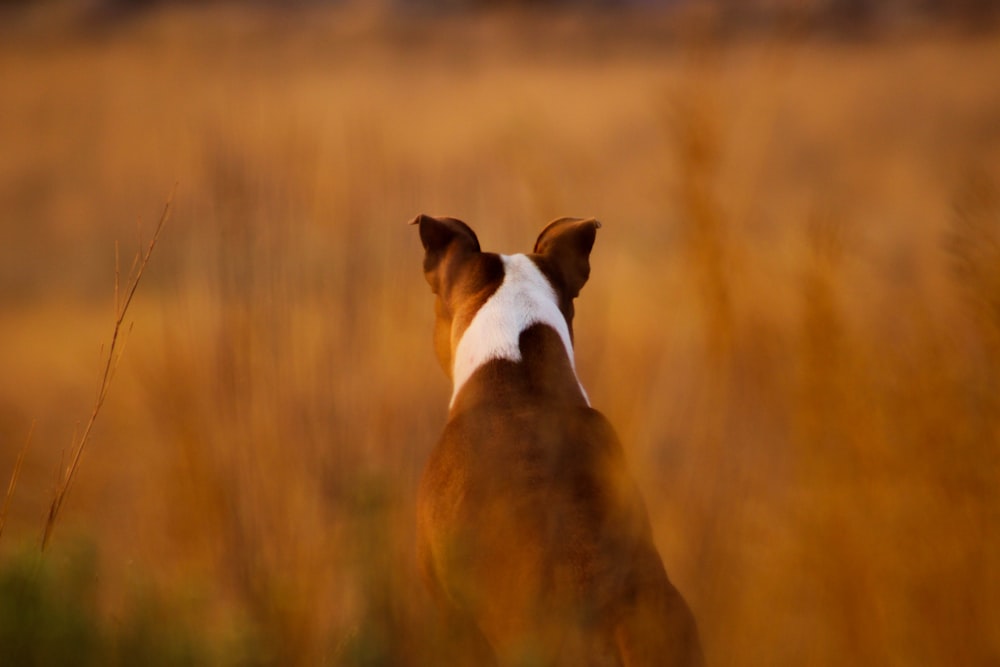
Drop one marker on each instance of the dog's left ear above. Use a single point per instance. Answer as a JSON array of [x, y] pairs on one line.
[[566, 244]]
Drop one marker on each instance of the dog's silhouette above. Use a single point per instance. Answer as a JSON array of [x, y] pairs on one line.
[[532, 535]]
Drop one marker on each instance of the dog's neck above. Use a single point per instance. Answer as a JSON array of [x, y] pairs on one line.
[[524, 300]]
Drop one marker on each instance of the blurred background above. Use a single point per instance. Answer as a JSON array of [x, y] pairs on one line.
[[793, 317]]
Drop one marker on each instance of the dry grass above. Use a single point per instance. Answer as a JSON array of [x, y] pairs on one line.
[[792, 317], [14, 474], [115, 351]]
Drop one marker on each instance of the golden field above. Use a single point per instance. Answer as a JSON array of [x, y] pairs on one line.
[[793, 320]]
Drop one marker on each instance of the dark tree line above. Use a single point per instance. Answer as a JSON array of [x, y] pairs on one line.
[[844, 15]]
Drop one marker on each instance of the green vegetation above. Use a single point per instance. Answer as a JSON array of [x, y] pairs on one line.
[[50, 616]]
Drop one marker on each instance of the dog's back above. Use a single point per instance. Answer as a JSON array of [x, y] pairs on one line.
[[532, 533]]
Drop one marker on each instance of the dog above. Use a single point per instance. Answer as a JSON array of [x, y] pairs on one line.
[[532, 536]]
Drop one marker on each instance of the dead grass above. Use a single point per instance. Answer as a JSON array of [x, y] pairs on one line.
[[791, 318], [115, 351]]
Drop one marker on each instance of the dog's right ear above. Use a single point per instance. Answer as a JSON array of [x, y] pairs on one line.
[[566, 243], [444, 239]]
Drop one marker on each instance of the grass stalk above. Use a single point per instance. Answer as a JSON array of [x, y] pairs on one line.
[[113, 358], [12, 485]]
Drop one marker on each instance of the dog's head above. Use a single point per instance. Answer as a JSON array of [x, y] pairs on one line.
[[521, 290]]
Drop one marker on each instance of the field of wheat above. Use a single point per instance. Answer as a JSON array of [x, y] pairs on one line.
[[793, 320]]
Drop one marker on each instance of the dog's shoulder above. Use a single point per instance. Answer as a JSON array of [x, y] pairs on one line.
[[553, 427], [569, 452]]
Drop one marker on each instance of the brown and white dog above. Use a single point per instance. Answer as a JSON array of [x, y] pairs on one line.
[[532, 535]]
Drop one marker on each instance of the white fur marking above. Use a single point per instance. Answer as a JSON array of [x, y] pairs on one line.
[[523, 299]]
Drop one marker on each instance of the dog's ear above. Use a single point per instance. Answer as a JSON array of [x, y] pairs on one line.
[[444, 239], [566, 244]]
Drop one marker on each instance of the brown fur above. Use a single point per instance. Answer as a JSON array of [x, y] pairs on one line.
[[532, 535]]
